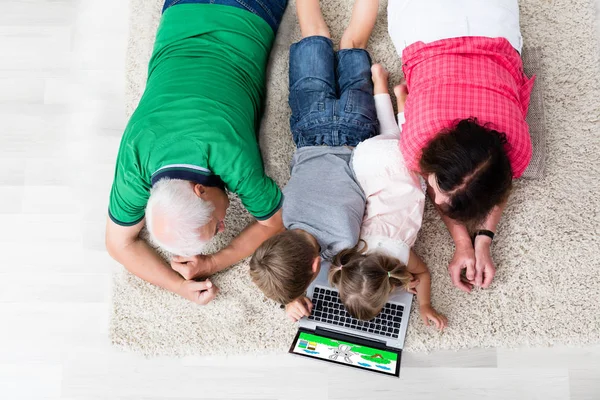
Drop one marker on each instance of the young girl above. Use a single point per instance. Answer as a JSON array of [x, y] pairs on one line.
[[383, 260]]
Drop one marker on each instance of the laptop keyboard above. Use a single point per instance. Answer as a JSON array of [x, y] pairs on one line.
[[328, 308]]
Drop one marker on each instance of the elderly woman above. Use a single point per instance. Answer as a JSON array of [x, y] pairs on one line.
[[464, 126]]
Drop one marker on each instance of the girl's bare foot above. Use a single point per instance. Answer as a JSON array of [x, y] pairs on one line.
[[401, 92], [380, 79]]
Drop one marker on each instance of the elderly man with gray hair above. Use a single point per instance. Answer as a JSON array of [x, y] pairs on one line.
[[192, 138]]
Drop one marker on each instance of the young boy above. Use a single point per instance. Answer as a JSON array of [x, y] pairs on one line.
[[333, 110]]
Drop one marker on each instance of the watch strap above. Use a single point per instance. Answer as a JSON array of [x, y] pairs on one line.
[[484, 232]]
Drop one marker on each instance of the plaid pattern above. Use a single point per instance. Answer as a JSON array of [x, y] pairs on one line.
[[465, 77]]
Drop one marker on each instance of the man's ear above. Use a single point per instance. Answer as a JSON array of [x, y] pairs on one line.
[[316, 265], [200, 190]]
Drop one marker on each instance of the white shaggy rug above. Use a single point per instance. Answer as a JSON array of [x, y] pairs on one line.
[[547, 289]]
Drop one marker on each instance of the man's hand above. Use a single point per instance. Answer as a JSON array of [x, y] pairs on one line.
[[484, 265], [464, 258], [301, 307], [428, 313], [198, 292], [200, 266]]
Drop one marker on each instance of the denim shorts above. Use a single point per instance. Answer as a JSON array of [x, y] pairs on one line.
[[331, 94], [269, 10]]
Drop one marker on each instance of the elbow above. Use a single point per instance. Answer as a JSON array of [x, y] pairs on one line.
[[118, 239], [111, 247], [274, 224]]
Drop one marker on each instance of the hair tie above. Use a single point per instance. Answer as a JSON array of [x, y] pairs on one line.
[[389, 274]]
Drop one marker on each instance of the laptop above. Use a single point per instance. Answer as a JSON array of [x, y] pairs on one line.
[[331, 334]]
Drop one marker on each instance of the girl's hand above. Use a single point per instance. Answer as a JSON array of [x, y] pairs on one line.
[[429, 314], [412, 286], [301, 307]]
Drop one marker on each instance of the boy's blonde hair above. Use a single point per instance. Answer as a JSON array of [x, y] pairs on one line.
[[365, 281], [282, 266]]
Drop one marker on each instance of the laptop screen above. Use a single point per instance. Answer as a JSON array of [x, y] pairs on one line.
[[344, 352]]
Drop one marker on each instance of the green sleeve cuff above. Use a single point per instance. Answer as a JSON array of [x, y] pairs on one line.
[[121, 223], [273, 212]]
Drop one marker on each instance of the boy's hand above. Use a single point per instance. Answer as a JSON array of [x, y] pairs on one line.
[[301, 307], [198, 292], [429, 314]]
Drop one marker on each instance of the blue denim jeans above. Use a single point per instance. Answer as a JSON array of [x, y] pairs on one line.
[[331, 94], [269, 10]]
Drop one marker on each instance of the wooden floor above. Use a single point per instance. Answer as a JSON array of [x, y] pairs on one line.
[[61, 117]]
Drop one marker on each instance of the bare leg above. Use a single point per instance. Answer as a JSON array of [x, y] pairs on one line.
[[311, 19], [364, 15]]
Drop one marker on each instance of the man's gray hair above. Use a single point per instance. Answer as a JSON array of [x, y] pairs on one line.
[[174, 202]]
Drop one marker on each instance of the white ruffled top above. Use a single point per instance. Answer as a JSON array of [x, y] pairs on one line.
[[395, 195]]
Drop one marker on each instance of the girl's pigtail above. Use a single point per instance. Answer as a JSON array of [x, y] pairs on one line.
[[399, 276], [335, 275]]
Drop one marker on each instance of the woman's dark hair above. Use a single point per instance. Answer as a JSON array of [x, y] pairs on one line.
[[471, 166]]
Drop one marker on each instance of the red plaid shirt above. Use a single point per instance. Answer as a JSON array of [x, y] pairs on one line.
[[465, 77]]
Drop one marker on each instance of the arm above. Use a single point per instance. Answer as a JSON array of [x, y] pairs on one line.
[[401, 92], [464, 255], [126, 247], [385, 115], [248, 241], [491, 223], [417, 267], [484, 265], [383, 101], [240, 247], [401, 121]]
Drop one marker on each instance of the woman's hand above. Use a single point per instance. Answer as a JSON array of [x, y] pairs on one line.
[[429, 314], [484, 265], [464, 258]]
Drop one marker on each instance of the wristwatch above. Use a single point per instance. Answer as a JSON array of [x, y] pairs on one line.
[[483, 232]]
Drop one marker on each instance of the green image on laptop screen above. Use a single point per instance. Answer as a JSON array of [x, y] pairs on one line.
[[346, 353]]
